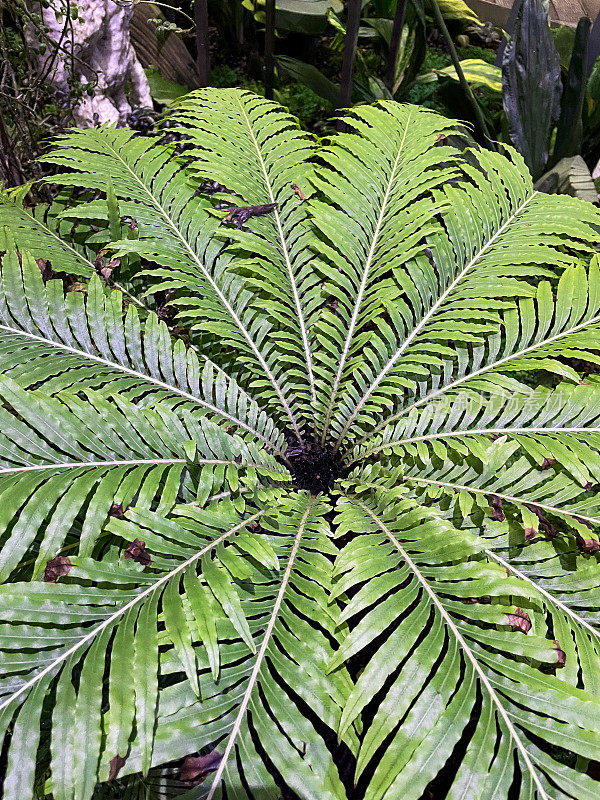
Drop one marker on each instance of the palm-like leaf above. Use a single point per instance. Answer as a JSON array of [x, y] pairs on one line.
[[337, 546]]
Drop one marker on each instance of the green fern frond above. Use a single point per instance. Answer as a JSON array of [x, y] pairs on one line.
[[96, 343], [133, 650], [547, 423], [434, 571], [36, 234], [482, 252], [366, 235], [60, 453], [270, 613], [177, 232], [343, 545], [44, 232], [256, 150]]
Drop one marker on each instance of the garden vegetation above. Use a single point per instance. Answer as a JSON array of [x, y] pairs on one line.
[[330, 532]]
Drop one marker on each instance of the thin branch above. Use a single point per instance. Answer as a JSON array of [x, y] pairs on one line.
[[352, 26], [202, 41], [269, 48], [480, 119], [398, 26]]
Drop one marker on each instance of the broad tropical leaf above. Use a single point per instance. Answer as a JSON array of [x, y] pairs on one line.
[[301, 16], [304, 503]]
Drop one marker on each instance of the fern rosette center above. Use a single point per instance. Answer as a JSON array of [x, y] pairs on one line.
[[314, 467]]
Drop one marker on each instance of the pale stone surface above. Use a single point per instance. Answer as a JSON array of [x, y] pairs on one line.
[[570, 176], [102, 45]]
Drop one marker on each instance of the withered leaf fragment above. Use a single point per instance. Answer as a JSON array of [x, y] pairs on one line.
[[547, 528], [241, 214], [45, 268], [107, 269], [429, 253], [298, 191], [181, 331], [99, 260], [131, 222], [548, 462], [497, 512], [590, 546], [210, 187], [117, 510], [561, 656], [520, 620], [116, 764], [57, 568], [137, 551], [195, 769]]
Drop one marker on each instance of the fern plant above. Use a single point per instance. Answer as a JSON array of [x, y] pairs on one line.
[[332, 532]]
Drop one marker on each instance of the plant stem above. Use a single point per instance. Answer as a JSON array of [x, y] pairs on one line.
[[239, 21], [269, 48], [202, 49], [352, 26], [479, 118], [390, 73]]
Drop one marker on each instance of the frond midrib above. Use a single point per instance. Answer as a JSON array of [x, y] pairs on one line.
[[288, 263], [91, 635], [146, 378], [472, 432], [462, 643], [362, 288], [226, 304], [548, 595], [417, 329], [92, 464], [509, 498], [263, 649], [476, 374], [134, 462]]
